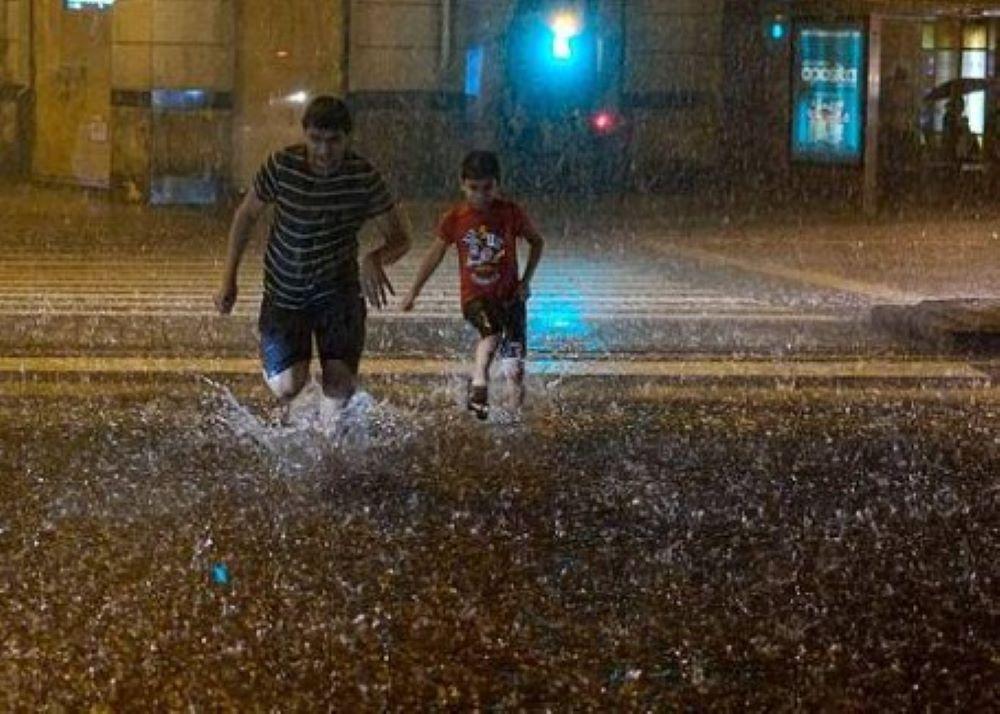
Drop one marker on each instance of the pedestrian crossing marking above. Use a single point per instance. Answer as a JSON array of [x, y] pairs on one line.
[[881, 369], [588, 288]]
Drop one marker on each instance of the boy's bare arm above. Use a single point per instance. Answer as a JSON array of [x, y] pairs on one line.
[[432, 259], [395, 234], [240, 231], [536, 244]]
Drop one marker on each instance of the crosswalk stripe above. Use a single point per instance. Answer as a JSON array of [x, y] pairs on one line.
[[587, 288], [679, 369], [536, 300], [578, 315]]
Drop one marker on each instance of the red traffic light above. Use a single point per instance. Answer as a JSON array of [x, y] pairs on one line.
[[604, 121]]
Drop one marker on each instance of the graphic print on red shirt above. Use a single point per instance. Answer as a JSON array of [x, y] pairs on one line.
[[487, 247]]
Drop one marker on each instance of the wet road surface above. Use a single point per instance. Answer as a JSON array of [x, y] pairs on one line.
[[630, 543]]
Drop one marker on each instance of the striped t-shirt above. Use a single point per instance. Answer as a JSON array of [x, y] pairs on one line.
[[312, 249]]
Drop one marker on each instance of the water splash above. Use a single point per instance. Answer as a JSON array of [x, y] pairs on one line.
[[314, 428]]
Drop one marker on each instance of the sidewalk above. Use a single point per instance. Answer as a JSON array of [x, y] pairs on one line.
[[932, 284], [888, 262]]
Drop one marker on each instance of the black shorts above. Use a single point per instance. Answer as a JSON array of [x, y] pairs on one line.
[[508, 319], [286, 336]]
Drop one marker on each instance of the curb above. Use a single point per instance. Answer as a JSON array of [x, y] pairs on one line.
[[786, 373], [965, 326]]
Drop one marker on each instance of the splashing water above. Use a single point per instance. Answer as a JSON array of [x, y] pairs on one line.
[[314, 427]]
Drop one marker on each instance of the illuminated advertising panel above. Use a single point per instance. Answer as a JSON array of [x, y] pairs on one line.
[[87, 4], [828, 93]]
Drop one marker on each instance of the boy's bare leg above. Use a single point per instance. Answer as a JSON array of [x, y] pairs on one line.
[[478, 401], [485, 350], [287, 385], [513, 372], [339, 382]]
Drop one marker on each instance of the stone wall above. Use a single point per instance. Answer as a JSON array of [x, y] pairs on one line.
[[172, 96], [15, 93]]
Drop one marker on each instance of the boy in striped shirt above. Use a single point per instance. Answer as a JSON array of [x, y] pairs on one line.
[[314, 284]]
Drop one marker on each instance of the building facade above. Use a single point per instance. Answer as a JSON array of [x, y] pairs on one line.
[[180, 100]]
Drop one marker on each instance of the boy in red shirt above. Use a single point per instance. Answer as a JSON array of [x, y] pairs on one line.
[[484, 228]]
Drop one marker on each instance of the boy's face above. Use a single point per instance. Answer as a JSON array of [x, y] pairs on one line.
[[479, 192], [325, 149]]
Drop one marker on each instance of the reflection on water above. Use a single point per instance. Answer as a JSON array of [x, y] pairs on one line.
[[562, 319]]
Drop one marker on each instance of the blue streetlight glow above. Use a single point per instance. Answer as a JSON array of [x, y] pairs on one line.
[[552, 60], [778, 30], [565, 26], [561, 48]]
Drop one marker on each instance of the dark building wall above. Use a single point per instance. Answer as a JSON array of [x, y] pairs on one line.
[[673, 87], [404, 85], [755, 98], [15, 90]]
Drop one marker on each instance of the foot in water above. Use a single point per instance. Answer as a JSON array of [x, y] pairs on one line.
[[514, 396], [478, 402], [304, 409]]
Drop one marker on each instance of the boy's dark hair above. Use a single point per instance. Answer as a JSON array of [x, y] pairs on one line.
[[328, 114], [481, 165]]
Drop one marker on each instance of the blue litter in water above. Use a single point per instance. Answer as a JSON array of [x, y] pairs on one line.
[[220, 574]]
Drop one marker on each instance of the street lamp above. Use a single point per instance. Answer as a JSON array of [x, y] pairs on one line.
[[565, 25]]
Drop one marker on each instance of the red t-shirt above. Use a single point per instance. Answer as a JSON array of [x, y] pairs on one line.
[[487, 247]]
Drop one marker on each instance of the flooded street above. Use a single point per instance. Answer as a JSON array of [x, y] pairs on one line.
[[275, 276], [625, 544], [729, 489]]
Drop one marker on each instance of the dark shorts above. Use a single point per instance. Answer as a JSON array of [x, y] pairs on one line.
[[507, 319], [286, 336]]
